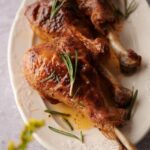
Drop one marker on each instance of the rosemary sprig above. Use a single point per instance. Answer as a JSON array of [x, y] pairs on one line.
[[75, 94], [128, 9], [72, 69], [52, 76], [26, 135], [56, 6], [68, 123], [67, 134], [133, 99], [82, 137], [52, 112]]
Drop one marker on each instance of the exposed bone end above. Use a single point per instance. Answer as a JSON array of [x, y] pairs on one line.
[[122, 96], [129, 60], [125, 143], [130, 63]]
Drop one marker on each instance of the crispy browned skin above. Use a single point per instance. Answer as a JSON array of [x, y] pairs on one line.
[[68, 22], [102, 16], [43, 60], [64, 23], [99, 11]]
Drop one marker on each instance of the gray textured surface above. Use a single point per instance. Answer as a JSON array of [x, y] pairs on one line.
[[10, 119]]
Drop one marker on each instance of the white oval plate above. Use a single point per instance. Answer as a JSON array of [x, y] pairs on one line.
[[136, 36]]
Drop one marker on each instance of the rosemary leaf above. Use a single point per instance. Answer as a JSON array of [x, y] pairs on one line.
[[76, 62], [128, 10], [126, 4], [82, 137], [64, 133], [56, 6], [50, 77], [56, 113], [57, 79], [68, 123], [75, 94], [133, 99], [72, 69]]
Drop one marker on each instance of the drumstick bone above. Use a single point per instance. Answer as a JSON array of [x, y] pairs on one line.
[[129, 60]]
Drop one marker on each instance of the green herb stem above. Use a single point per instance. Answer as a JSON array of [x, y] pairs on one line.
[[66, 133], [82, 137], [72, 69], [68, 123], [128, 9], [50, 77], [52, 112], [133, 99], [56, 6]]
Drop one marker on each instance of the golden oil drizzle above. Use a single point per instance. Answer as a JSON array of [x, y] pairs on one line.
[[77, 119]]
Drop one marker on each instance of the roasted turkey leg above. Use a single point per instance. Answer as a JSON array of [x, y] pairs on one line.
[[99, 12], [71, 25], [68, 22], [40, 63], [102, 16]]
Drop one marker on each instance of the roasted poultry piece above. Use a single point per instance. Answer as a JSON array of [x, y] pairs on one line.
[[46, 71], [99, 11], [102, 15], [68, 22], [71, 66]]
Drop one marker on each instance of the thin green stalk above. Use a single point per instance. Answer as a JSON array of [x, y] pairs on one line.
[[129, 8], [66, 133], [72, 69], [133, 99], [52, 112], [56, 6], [50, 77], [82, 137], [68, 123]]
